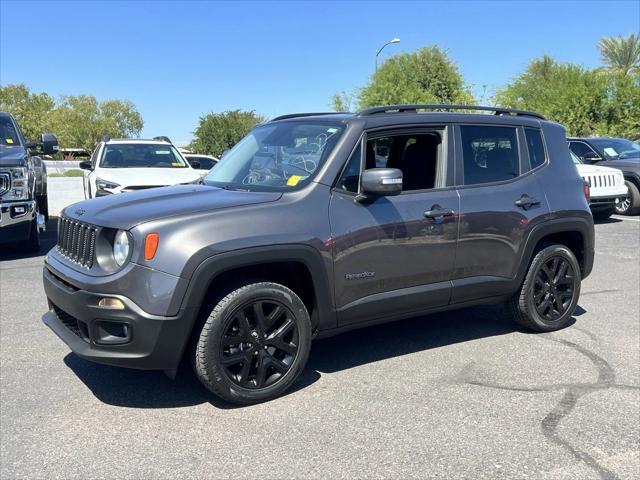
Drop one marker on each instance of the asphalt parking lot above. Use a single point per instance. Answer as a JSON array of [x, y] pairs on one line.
[[457, 395]]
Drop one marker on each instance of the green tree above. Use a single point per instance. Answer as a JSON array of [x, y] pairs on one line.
[[341, 101], [621, 54], [217, 132], [77, 121], [427, 75], [565, 93], [33, 111]]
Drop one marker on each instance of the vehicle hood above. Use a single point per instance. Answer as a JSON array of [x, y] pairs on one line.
[[627, 164], [584, 169], [147, 176], [12, 156], [126, 210]]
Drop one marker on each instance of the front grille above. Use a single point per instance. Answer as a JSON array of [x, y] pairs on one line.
[[598, 181], [76, 326], [77, 241], [5, 183]]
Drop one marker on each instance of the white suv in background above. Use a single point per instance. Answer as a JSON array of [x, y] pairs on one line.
[[123, 165], [606, 186]]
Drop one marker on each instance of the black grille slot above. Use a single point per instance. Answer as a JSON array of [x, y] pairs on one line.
[[76, 326], [77, 241]]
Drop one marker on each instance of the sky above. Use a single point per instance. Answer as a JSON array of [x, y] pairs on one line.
[[178, 61]]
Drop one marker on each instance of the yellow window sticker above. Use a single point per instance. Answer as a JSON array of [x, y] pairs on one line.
[[9, 140], [293, 180]]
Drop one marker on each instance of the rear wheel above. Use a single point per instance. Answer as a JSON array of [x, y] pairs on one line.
[[631, 204], [550, 292], [254, 344]]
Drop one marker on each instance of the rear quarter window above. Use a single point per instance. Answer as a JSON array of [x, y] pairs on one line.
[[535, 147], [490, 154]]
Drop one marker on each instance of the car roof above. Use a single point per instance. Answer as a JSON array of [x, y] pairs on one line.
[[140, 141]]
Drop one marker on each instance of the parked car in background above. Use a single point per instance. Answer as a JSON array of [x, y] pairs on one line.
[[201, 163], [617, 153], [24, 205], [314, 224], [125, 165], [606, 186]]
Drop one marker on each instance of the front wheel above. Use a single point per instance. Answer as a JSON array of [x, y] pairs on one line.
[[254, 344], [549, 295], [43, 206], [631, 204]]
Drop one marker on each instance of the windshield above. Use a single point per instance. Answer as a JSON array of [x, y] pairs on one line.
[[8, 133], [141, 155], [278, 156], [616, 148]]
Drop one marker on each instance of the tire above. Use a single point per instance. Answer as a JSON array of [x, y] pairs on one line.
[[43, 206], [239, 355], [564, 290], [32, 243], [603, 214], [631, 206]]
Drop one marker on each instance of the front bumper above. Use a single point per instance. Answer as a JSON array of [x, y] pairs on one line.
[[141, 340], [606, 202], [15, 220]]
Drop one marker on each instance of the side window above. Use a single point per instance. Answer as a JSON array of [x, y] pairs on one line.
[[490, 154], [350, 177], [94, 156], [535, 147], [415, 154], [579, 148]]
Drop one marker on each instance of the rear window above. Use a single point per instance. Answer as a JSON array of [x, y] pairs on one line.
[[490, 154], [535, 147]]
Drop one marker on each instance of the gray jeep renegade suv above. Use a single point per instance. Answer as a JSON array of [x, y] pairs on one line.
[[314, 224]]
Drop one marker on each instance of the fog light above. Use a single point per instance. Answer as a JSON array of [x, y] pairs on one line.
[[112, 303], [617, 201]]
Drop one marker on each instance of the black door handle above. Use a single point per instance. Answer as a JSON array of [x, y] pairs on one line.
[[526, 201], [437, 211]]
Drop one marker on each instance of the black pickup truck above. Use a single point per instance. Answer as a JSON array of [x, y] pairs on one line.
[[23, 185]]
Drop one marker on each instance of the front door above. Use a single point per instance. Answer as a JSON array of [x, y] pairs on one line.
[[394, 256]]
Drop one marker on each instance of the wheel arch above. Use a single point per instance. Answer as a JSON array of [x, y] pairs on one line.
[[299, 267], [575, 233]]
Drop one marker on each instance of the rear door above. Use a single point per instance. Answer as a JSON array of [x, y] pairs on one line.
[[394, 256], [501, 199]]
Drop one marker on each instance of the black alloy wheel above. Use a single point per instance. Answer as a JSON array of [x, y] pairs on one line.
[[553, 288], [259, 344]]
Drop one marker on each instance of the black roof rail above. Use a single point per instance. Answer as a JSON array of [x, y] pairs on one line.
[[105, 138], [309, 114], [162, 138], [416, 107]]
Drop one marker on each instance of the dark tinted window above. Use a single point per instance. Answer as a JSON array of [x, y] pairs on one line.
[[535, 147], [579, 148], [205, 162], [8, 133], [351, 175], [490, 154]]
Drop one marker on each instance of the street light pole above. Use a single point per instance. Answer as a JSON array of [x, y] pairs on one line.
[[395, 40]]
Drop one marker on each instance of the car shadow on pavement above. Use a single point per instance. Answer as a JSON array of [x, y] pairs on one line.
[[152, 389], [48, 239], [607, 220]]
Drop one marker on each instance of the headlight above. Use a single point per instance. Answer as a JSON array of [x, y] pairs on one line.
[[19, 187], [105, 185], [121, 247]]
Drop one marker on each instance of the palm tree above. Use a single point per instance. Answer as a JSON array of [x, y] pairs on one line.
[[621, 53]]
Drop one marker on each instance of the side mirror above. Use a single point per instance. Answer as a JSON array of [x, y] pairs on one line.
[[380, 182], [49, 143], [195, 164], [591, 157], [85, 165]]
